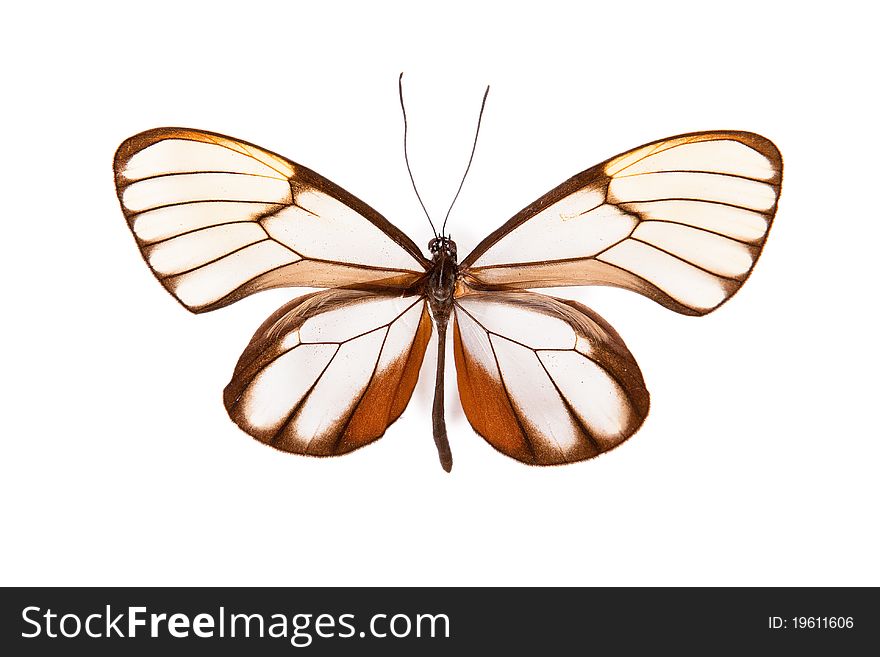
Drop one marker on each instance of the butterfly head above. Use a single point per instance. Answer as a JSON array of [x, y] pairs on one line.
[[443, 247]]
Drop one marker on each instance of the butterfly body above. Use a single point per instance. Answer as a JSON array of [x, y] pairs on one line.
[[440, 286], [544, 380], [441, 278]]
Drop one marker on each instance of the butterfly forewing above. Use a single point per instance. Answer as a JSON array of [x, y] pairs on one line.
[[330, 371], [544, 380], [681, 220], [217, 219]]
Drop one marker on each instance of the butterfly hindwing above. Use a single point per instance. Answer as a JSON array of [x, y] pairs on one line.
[[217, 219], [681, 220], [330, 371], [544, 380]]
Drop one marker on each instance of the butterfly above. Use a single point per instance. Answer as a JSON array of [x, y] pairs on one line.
[[543, 379]]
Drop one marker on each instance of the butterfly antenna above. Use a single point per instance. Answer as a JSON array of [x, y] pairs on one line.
[[406, 155], [473, 150]]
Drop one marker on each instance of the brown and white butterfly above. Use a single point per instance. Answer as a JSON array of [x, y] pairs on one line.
[[543, 379]]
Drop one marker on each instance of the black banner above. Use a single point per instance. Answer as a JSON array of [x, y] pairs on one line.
[[318, 621]]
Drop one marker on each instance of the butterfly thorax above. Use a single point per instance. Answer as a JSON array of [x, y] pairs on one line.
[[442, 277]]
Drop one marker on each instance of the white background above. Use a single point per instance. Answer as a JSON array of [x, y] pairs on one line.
[[758, 463]]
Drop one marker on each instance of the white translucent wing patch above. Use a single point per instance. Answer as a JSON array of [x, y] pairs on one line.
[[720, 153], [188, 188], [554, 234], [217, 219], [192, 250], [334, 395], [202, 287], [544, 380], [682, 221], [182, 154], [345, 237], [329, 372], [712, 187]]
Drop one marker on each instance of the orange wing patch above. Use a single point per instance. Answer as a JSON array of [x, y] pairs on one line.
[[331, 371], [387, 394], [487, 406]]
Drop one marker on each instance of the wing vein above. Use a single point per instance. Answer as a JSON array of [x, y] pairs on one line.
[[131, 181], [577, 418], [510, 397], [510, 403], [708, 173], [296, 407], [692, 198], [686, 261], [655, 150], [131, 214], [532, 263], [212, 261], [327, 342], [363, 392], [350, 264], [244, 152], [706, 230], [200, 229], [297, 205]]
